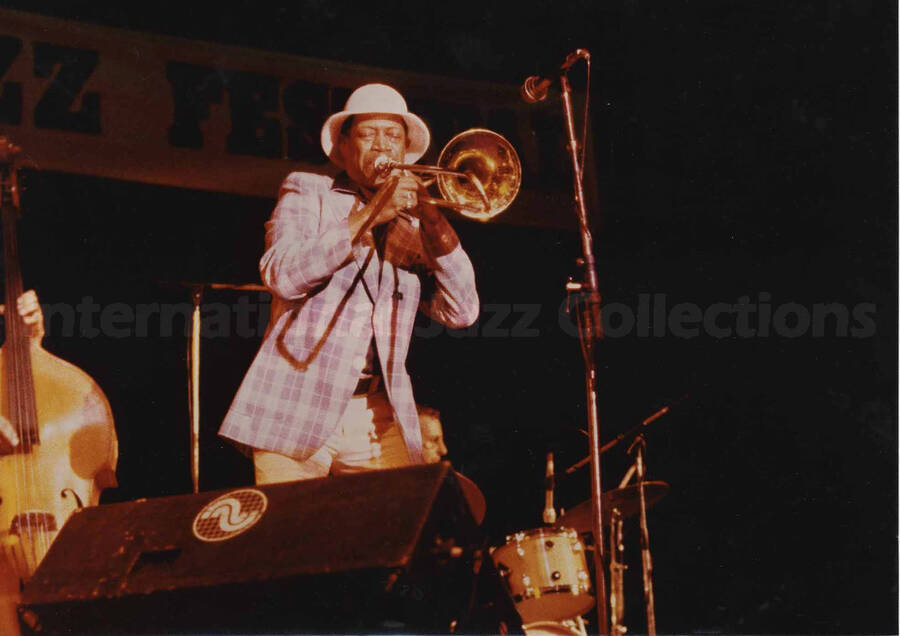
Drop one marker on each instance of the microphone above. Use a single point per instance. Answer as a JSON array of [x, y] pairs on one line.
[[534, 89], [549, 510]]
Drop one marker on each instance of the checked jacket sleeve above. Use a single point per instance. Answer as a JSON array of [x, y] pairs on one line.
[[299, 255]]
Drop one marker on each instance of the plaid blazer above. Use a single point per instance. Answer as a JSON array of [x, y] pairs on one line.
[[330, 298]]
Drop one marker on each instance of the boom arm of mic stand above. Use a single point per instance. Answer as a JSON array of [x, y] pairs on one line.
[[622, 436]]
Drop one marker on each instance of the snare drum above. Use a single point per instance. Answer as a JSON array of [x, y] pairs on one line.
[[546, 574]]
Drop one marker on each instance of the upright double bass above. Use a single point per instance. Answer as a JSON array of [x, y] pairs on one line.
[[66, 449]]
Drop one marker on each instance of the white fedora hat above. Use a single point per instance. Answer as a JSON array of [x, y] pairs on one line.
[[376, 98]]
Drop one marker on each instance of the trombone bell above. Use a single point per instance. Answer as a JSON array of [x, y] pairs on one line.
[[493, 173]]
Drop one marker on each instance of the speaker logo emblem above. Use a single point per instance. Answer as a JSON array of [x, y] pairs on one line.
[[231, 514]]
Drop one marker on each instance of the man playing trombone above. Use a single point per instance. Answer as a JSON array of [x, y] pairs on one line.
[[349, 261]]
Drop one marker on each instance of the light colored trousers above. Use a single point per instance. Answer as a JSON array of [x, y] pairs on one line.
[[366, 438]]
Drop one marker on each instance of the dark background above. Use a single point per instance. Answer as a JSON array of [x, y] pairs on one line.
[[741, 148]]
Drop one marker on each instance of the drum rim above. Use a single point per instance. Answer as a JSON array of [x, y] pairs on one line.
[[551, 531], [547, 590], [565, 628]]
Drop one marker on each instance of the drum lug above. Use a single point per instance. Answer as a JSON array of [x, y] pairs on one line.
[[529, 590], [585, 581]]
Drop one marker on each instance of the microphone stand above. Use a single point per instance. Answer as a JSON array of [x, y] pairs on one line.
[[194, 368], [194, 385], [588, 311]]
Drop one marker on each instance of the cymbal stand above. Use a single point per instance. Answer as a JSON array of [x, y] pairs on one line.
[[637, 449]]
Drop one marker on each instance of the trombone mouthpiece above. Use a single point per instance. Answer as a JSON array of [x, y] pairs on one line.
[[382, 164]]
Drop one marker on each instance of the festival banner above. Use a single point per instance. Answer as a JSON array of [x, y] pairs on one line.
[[114, 103]]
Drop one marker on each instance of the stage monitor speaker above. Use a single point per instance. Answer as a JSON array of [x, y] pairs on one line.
[[382, 551]]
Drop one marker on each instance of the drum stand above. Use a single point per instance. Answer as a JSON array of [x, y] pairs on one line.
[[617, 569], [638, 469]]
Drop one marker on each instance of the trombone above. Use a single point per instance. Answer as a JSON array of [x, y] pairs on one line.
[[478, 174]]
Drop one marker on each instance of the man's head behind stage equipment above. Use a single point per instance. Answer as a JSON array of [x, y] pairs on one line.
[[375, 121], [433, 447]]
